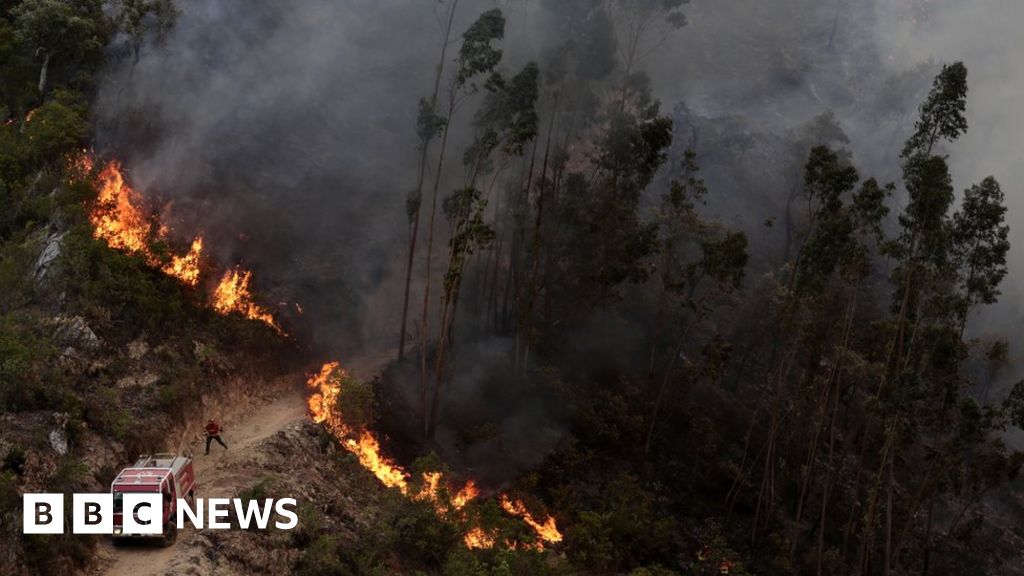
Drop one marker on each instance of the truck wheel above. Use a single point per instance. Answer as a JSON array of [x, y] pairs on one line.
[[170, 535]]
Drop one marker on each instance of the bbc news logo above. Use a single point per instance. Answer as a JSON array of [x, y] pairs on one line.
[[144, 514]]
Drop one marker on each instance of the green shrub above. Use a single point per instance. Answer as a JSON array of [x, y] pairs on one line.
[[57, 127], [28, 378], [321, 559]]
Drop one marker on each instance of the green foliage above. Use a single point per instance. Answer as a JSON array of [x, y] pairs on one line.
[[68, 33], [629, 528], [980, 241], [107, 286], [28, 377], [321, 558], [942, 115], [355, 404], [428, 122], [725, 259], [827, 183], [477, 55], [142, 19], [501, 562], [507, 117], [57, 127], [103, 411]]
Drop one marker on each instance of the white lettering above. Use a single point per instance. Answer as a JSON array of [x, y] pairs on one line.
[[252, 510], [195, 516], [280, 508], [218, 509]]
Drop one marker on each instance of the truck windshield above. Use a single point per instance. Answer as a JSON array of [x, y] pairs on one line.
[[118, 502]]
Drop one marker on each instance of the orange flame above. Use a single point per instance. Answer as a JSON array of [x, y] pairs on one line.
[[79, 165], [546, 531], [478, 538], [468, 493], [186, 268], [117, 218], [323, 405], [325, 409], [232, 295], [367, 449]]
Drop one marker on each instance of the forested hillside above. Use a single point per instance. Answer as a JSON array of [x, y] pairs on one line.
[[699, 340]]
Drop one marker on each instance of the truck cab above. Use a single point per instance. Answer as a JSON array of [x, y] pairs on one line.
[[170, 475]]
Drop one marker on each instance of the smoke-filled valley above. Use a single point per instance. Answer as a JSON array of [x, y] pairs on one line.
[[632, 286]]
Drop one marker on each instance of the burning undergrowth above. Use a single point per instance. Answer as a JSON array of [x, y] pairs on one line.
[[120, 217], [453, 501]]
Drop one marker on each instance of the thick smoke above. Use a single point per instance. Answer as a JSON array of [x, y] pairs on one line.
[[285, 132]]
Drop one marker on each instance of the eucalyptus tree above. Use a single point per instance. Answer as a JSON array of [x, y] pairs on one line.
[[641, 26], [980, 245], [505, 123], [693, 250], [923, 251], [600, 238], [142, 19], [428, 125], [478, 58]]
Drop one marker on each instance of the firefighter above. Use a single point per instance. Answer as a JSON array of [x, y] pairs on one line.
[[213, 431]]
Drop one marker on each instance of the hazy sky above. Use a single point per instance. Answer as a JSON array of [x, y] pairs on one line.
[[986, 35], [292, 125]]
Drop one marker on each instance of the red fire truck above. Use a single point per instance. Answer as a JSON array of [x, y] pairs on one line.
[[167, 474]]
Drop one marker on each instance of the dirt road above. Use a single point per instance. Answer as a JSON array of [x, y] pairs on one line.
[[221, 474]]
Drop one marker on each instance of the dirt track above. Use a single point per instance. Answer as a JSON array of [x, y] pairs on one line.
[[221, 474]]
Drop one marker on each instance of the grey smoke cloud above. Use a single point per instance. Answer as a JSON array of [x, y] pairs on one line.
[[285, 131]]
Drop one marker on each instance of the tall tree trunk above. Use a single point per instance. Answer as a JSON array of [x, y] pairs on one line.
[[42, 73], [535, 245], [421, 176], [425, 318], [831, 387], [676, 351]]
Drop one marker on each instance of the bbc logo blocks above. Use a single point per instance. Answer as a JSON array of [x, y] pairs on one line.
[[93, 514]]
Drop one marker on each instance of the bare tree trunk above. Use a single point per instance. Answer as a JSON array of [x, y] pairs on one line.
[[827, 399], [42, 74], [536, 244], [661, 392], [414, 232], [425, 319], [889, 513], [829, 472]]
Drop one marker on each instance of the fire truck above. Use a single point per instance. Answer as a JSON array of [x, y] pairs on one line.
[[167, 474]]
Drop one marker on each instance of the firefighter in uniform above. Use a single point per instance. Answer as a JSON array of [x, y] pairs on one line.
[[213, 431]]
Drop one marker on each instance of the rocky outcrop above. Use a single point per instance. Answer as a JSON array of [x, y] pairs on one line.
[[45, 262]]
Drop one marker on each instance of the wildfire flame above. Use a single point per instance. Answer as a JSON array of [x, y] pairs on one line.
[[478, 538], [232, 295], [546, 531], [323, 405], [119, 219], [325, 409], [186, 268], [468, 493], [79, 165]]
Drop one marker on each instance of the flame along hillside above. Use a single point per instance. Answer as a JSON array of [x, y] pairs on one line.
[[119, 218], [325, 408]]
